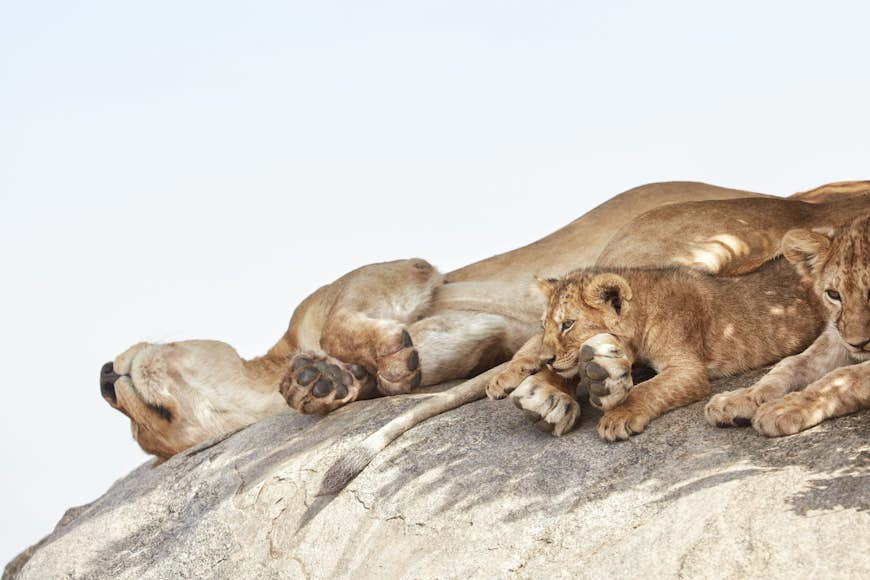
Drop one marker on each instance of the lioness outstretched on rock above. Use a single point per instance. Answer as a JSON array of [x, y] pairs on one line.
[[835, 369], [384, 328]]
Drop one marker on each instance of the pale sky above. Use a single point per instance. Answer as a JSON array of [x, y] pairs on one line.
[[174, 170]]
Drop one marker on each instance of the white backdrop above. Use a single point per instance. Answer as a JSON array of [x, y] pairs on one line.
[[175, 170]]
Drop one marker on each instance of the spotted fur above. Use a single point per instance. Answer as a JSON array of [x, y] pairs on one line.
[[835, 369]]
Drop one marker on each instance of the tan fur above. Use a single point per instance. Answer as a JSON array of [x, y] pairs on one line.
[[686, 325], [384, 328], [839, 271]]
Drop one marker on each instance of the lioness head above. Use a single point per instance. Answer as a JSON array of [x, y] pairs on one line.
[[839, 267], [182, 393], [579, 306]]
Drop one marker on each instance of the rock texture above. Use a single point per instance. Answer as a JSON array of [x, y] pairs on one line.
[[478, 492]]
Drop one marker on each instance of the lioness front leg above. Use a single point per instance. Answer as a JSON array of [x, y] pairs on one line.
[[738, 407], [548, 400], [840, 392], [673, 387], [525, 362]]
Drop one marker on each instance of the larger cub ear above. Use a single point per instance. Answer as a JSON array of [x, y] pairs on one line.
[[805, 249], [609, 290]]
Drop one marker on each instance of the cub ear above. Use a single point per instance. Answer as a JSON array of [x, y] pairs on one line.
[[607, 290], [546, 285], [805, 249]]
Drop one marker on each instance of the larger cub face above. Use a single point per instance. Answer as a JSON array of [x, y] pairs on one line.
[[840, 271], [579, 306]]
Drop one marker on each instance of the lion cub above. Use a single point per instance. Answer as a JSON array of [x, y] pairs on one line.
[[836, 368], [688, 326]]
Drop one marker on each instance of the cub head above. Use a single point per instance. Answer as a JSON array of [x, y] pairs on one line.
[[579, 306], [839, 267]]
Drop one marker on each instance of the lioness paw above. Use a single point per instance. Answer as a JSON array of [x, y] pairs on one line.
[[398, 364], [508, 380], [621, 423], [786, 416], [317, 385], [605, 370], [551, 409]]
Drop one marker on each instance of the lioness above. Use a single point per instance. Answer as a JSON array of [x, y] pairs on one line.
[[385, 328], [835, 369], [686, 325]]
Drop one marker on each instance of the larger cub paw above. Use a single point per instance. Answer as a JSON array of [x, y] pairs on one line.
[[551, 409], [316, 385], [398, 364], [786, 416], [737, 408], [605, 370], [732, 409]]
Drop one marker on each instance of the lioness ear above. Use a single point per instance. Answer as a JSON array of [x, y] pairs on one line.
[[546, 285], [805, 249], [607, 289]]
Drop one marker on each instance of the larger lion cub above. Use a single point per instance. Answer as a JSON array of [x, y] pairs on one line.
[[689, 327], [835, 369]]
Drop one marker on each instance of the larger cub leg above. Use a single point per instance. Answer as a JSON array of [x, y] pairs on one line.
[[738, 407], [840, 392]]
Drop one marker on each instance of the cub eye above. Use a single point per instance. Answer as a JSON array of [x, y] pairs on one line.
[[566, 325], [833, 295]]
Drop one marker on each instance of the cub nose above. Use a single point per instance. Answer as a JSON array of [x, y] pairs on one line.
[[107, 382]]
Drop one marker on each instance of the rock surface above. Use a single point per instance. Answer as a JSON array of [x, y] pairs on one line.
[[479, 492]]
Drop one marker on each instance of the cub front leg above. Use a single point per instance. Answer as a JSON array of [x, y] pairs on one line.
[[605, 370], [525, 362], [673, 387], [547, 400], [840, 392], [738, 407]]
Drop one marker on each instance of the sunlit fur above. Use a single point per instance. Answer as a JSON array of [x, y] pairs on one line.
[[835, 369], [195, 390], [686, 325]]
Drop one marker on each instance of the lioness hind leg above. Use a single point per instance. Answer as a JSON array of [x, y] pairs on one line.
[[317, 384], [546, 399], [605, 370], [840, 392]]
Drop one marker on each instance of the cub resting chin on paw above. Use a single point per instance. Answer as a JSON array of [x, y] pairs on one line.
[[835, 369], [687, 326]]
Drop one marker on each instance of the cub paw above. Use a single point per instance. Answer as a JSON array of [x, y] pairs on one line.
[[316, 385], [605, 370], [551, 409], [508, 380], [398, 365], [621, 423], [785, 416]]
